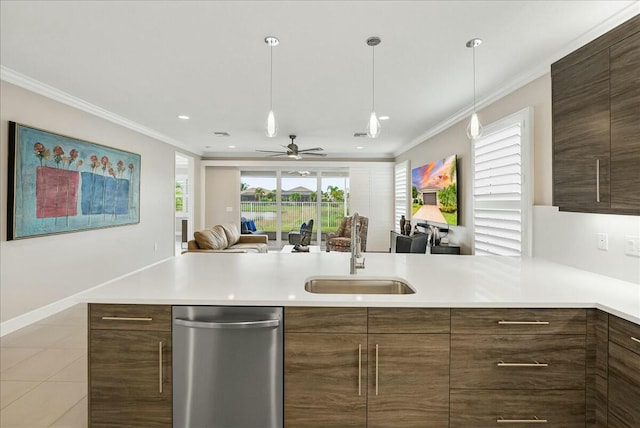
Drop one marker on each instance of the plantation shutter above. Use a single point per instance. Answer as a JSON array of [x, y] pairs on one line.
[[498, 192], [401, 193]]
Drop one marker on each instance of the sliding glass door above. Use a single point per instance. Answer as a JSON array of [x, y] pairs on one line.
[[279, 201]]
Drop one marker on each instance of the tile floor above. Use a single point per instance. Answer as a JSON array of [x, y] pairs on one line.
[[43, 373]]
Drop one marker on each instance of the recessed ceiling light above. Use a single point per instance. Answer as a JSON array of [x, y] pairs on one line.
[[359, 147], [384, 118], [232, 147], [183, 117]]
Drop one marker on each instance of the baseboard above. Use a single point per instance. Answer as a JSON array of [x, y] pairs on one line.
[[21, 321], [13, 324]]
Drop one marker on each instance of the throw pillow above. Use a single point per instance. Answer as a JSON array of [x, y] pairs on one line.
[[252, 226], [232, 233]]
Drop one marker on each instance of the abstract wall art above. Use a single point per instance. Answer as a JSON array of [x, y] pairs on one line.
[[60, 184]]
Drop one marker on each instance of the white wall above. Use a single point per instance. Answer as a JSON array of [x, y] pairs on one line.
[[41, 271], [371, 195], [567, 238], [222, 196], [570, 238]]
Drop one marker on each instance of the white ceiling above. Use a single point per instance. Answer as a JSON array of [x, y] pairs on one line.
[[149, 61]]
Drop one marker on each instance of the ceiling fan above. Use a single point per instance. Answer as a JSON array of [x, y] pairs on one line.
[[293, 151]]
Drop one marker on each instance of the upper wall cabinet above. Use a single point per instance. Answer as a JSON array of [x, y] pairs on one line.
[[596, 124]]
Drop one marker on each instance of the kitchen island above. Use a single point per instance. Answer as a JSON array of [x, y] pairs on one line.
[[277, 279], [482, 341]]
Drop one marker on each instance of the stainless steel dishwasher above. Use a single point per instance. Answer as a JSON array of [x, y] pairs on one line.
[[227, 367]]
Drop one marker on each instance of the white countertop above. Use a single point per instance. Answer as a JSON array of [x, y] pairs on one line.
[[277, 279]]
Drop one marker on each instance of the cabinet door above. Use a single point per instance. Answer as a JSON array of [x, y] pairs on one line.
[[130, 379], [408, 380], [625, 123], [624, 387], [325, 380], [581, 142]]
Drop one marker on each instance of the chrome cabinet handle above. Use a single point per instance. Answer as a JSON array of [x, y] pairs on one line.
[[534, 364], [127, 318], [502, 322], [635, 339], [360, 369], [597, 180], [238, 324], [535, 420], [376, 369], [160, 377]]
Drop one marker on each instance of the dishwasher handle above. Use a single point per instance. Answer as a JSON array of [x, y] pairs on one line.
[[228, 325]]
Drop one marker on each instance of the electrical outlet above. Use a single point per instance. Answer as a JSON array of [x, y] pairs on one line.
[[632, 245], [602, 241]]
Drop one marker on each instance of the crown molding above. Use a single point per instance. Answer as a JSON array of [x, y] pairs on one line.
[[528, 77], [33, 85]]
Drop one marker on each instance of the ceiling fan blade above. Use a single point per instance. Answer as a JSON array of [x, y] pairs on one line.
[[315, 149], [270, 151], [316, 154], [279, 154]]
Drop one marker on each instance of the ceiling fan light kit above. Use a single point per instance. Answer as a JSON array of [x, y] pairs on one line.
[[373, 126], [271, 127], [474, 129]]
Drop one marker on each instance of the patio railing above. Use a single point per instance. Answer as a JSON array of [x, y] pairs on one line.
[[294, 214]]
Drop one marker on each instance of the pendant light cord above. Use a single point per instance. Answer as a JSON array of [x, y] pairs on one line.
[[373, 79], [474, 79], [271, 78]]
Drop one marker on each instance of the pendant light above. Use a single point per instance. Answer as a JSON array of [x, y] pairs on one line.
[[373, 126], [474, 129], [271, 127]]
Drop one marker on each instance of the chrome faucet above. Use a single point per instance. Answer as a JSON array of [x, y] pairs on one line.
[[357, 261]]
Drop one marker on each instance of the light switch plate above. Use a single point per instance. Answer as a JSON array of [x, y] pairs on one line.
[[602, 241], [632, 245]]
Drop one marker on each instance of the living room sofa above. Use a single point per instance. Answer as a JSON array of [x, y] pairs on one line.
[[226, 239]]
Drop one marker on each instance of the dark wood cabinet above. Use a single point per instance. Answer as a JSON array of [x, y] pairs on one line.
[[325, 380], [596, 124], [625, 123], [375, 367], [130, 366], [491, 408], [408, 380], [581, 141], [325, 367], [624, 374], [518, 366]]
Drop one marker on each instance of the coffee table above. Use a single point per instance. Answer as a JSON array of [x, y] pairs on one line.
[[289, 249]]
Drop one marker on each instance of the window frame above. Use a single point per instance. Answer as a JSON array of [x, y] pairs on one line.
[[524, 118]]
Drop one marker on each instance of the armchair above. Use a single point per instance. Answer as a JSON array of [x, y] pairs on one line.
[[340, 240], [295, 236]]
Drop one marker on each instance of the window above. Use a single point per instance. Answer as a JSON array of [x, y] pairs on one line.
[[502, 187], [401, 193]]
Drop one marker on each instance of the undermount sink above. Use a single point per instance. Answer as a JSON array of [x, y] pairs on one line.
[[357, 285]]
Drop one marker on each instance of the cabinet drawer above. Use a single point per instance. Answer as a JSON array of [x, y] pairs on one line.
[[480, 409], [409, 320], [518, 321], [624, 387], [518, 361], [624, 333], [325, 320], [129, 317]]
